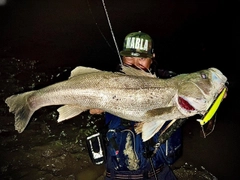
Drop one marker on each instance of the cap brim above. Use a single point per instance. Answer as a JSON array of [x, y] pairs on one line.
[[135, 54]]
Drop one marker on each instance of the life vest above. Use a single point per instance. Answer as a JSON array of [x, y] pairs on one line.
[[127, 152]]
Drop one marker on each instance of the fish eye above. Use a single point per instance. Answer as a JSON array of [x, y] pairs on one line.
[[204, 76]]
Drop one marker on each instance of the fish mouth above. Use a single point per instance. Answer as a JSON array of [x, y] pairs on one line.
[[184, 104]]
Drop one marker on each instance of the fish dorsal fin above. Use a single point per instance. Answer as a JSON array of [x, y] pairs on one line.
[[135, 72], [82, 70]]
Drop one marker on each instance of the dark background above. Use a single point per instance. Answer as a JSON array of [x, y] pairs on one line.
[[189, 35]]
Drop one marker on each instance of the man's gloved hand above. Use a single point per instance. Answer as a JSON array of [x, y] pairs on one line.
[[96, 111]]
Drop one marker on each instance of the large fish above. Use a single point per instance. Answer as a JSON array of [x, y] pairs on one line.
[[131, 94]]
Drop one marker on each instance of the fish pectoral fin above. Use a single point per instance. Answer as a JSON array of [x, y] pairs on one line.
[[149, 128], [161, 111], [69, 111]]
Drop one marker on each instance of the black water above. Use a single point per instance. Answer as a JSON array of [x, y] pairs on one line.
[[41, 41]]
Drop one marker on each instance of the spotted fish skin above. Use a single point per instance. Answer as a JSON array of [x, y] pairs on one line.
[[131, 94]]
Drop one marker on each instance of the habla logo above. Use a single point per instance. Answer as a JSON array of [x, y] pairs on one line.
[[137, 43]]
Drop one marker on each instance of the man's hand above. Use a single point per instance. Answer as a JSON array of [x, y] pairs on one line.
[[96, 111]]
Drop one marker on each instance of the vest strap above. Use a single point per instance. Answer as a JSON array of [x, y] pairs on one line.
[[133, 174]]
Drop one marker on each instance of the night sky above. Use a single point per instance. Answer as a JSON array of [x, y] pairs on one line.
[[189, 35]]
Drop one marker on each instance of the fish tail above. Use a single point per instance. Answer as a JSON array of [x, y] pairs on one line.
[[18, 105]]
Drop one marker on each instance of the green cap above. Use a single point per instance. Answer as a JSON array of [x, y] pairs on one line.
[[137, 44]]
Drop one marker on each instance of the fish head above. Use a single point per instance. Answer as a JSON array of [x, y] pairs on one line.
[[197, 91]]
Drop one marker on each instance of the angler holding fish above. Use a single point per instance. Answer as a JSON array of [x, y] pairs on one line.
[[128, 157], [130, 96], [136, 96]]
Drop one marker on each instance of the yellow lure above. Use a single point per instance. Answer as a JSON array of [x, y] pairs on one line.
[[213, 108]]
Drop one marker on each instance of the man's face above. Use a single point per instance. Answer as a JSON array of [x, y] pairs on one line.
[[140, 62]]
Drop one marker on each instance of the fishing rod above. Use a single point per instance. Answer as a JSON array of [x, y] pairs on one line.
[[110, 26]]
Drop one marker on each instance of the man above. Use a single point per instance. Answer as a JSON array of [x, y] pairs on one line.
[[127, 156]]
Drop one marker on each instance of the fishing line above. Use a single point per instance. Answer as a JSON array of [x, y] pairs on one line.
[[89, 7], [109, 23], [110, 26]]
